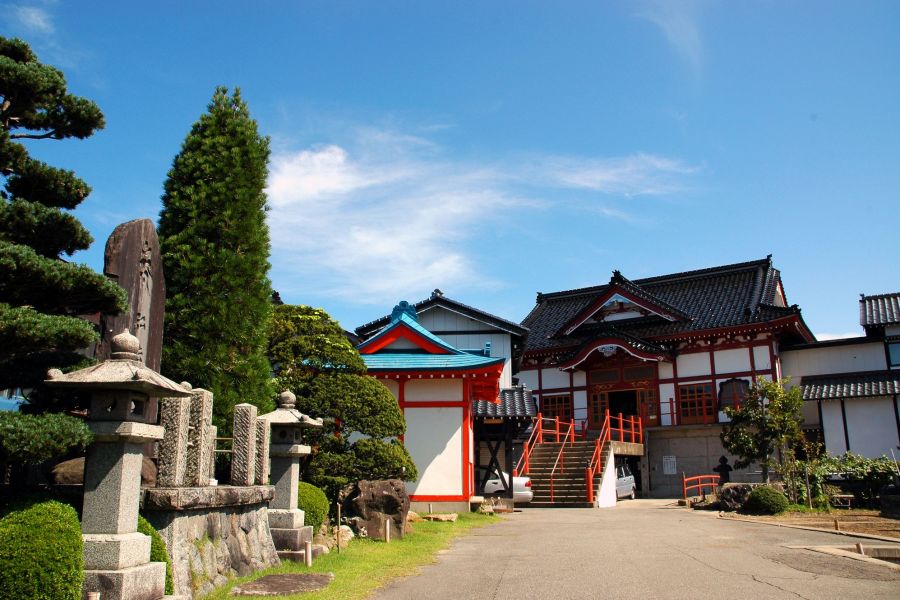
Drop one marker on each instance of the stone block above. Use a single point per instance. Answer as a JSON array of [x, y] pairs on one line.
[[286, 519], [117, 551], [291, 539], [263, 437], [198, 460], [144, 582], [175, 414], [285, 477], [243, 445], [210, 452], [112, 488]]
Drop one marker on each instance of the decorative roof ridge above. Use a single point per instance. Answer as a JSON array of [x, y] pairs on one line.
[[612, 331], [863, 297], [622, 281]]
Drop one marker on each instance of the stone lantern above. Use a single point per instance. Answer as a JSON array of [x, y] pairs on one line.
[[286, 448], [117, 557]]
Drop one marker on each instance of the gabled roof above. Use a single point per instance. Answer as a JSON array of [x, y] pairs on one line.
[[429, 352], [728, 296], [438, 298], [851, 385], [880, 310]]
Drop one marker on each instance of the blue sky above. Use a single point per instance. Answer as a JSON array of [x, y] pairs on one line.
[[498, 149]]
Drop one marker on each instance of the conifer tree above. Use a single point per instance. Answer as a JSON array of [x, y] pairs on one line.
[[312, 358], [41, 294], [215, 249]]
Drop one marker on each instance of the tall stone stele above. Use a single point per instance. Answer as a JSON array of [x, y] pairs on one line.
[[117, 557], [285, 519]]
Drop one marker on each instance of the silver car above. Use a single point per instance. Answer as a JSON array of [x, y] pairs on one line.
[[494, 486], [625, 486]]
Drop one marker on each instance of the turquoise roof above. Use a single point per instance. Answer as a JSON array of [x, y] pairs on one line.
[[404, 315]]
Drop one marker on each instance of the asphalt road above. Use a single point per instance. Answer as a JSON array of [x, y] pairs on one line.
[[642, 549]]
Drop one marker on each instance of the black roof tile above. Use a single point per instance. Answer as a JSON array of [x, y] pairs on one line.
[[851, 385], [880, 310], [514, 402]]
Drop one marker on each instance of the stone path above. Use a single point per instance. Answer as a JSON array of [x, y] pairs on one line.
[[641, 549]]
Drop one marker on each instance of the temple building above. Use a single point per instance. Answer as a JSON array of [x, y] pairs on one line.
[[673, 349]]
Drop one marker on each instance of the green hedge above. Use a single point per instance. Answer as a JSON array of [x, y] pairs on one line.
[[314, 503], [765, 500], [158, 551], [41, 553]]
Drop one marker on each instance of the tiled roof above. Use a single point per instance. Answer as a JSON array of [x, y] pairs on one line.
[[880, 310], [413, 361], [405, 319], [851, 385], [514, 402], [726, 296], [438, 299]]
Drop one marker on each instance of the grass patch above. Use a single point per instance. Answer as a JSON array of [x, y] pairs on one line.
[[366, 565]]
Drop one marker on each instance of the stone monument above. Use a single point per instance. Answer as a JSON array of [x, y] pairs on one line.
[[285, 519], [117, 557]]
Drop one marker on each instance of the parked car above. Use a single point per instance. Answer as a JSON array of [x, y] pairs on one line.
[[625, 486], [494, 486]]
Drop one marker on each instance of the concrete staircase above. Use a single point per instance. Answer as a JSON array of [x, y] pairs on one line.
[[569, 483]]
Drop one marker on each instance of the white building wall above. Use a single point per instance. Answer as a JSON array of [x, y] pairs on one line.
[[665, 370], [762, 358], [736, 360], [529, 379], [872, 426], [579, 405], [579, 379], [434, 441], [426, 390], [554, 378], [833, 427], [666, 391], [690, 365], [847, 358]]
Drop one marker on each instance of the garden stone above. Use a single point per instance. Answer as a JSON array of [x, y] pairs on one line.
[[734, 495], [372, 506]]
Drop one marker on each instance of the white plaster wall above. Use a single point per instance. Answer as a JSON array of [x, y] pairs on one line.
[[529, 379], [501, 347], [579, 378], [554, 378], [666, 391], [868, 356], [665, 370], [872, 426], [392, 386], [425, 390], [833, 427], [434, 441], [402, 344], [736, 360], [579, 404], [762, 358], [690, 365]]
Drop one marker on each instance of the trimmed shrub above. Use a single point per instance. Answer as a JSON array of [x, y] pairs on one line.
[[312, 501], [158, 551], [765, 500], [41, 553]]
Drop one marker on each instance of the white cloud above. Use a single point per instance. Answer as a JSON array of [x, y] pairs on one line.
[[824, 337], [679, 22], [387, 216], [33, 19]]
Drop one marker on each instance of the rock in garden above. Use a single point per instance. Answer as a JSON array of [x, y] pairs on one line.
[[282, 585], [734, 495], [442, 517], [372, 506]]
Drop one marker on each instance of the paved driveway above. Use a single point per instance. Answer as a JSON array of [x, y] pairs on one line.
[[642, 549]]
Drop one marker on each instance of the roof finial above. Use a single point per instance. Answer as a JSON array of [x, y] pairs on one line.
[[403, 308], [437, 293], [287, 400], [125, 346]]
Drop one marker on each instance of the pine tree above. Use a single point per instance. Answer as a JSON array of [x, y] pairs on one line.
[[41, 294], [215, 248], [312, 358]]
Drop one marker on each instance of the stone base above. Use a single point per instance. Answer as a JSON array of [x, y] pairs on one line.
[[144, 582], [300, 555], [115, 551], [286, 519], [291, 539]]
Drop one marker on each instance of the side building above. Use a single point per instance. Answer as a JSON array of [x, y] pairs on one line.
[[851, 386], [673, 349]]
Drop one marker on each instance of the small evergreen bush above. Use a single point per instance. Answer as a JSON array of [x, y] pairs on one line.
[[41, 553], [314, 503], [158, 551], [765, 500]]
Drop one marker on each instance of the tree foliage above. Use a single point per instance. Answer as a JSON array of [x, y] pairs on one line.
[[312, 357], [215, 249], [768, 421], [33, 439], [41, 294]]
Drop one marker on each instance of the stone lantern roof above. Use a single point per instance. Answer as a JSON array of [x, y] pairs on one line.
[[287, 414], [122, 371]]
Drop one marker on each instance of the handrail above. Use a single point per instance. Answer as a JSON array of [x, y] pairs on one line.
[[536, 437], [596, 465], [630, 429], [561, 456], [703, 481]]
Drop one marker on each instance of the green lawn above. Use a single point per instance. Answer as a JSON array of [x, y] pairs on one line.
[[367, 565]]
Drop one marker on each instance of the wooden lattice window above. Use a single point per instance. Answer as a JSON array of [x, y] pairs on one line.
[[640, 372], [649, 405], [604, 376], [597, 406], [733, 392], [557, 406], [697, 403]]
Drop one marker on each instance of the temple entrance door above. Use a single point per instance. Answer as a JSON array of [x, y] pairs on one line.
[[624, 402], [597, 405]]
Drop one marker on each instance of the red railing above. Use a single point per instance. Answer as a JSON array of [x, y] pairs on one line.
[[682, 413], [549, 430], [561, 456], [698, 482], [630, 429]]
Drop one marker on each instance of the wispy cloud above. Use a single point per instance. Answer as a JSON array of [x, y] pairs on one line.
[[32, 18], [387, 215], [679, 22]]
